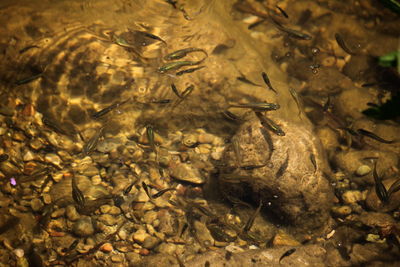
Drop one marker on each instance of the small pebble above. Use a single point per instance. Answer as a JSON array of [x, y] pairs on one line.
[[58, 213], [90, 171], [57, 177], [96, 180], [205, 138], [28, 156], [54, 159], [150, 242], [353, 196], [363, 170], [105, 208], [187, 173], [108, 219], [19, 252], [83, 227], [167, 248], [189, 140], [72, 213], [144, 252], [114, 210], [117, 258], [106, 247], [140, 235], [150, 216], [36, 204], [284, 239], [133, 258], [342, 210], [46, 199]]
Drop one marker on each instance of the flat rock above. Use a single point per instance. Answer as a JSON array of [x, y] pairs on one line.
[[186, 173]]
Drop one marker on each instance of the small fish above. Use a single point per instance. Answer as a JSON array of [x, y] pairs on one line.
[[175, 90], [176, 65], [282, 11], [343, 251], [394, 188], [379, 187], [146, 189], [72, 246], [172, 3], [327, 105], [91, 145], [23, 50], [267, 139], [29, 79], [129, 188], [236, 201], [161, 101], [296, 34], [228, 255], [313, 161], [207, 264], [3, 157], [243, 79], [230, 116], [287, 254], [162, 192], [342, 44], [283, 167], [268, 82], [183, 52], [255, 24], [291, 33], [374, 136], [54, 126], [237, 150], [152, 36], [269, 124], [187, 91], [150, 137], [106, 110], [262, 106], [369, 84], [296, 99], [250, 222], [252, 167], [77, 194], [121, 42], [179, 73]]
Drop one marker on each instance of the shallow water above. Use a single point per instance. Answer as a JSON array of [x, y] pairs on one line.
[[81, 88]]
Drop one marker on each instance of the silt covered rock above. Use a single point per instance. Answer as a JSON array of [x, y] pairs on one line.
[[285, 172]]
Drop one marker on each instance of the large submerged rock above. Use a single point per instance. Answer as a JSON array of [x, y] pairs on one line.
[[292, 183]]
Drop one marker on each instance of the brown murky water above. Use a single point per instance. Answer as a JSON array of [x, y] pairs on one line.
[[102, 163]]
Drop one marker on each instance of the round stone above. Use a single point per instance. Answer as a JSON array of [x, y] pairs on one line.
[[342, 210], [106, 247], [140, 235], [363, 170], [150, 242], [83, 227], [36, 204]]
